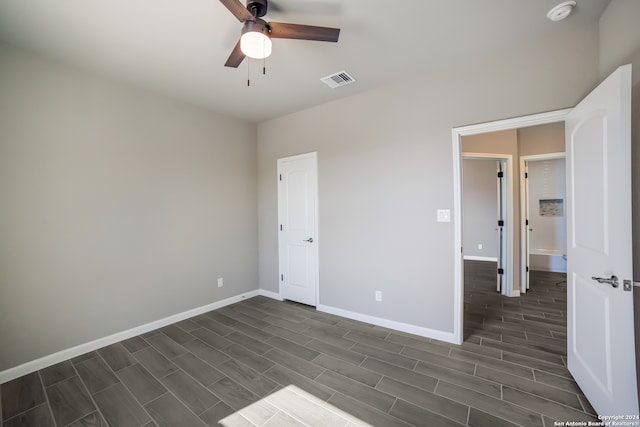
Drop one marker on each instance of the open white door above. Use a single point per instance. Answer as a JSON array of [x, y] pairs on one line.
[[297, 228], [601, 351]]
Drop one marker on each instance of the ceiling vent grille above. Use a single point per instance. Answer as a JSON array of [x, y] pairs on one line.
[[341, 78]]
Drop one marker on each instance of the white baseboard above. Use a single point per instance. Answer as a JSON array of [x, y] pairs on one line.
[[391, 324], [549, 269], [269, 294], [78, 350], [515, 293], [480, 258]]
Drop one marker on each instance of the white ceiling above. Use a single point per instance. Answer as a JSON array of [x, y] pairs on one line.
[[178, 47]]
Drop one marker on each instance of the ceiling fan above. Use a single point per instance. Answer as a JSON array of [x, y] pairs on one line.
[[255, 41]]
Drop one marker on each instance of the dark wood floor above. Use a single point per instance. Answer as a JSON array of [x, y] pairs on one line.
[[267, 363]]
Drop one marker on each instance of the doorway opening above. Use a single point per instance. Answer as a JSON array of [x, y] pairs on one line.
[[599, 307], [542, 216], [488, 213], [457, 138]]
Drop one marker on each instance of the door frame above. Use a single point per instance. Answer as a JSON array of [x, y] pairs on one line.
[[456, 134], [316, 239], [524, 211], [508, 235]]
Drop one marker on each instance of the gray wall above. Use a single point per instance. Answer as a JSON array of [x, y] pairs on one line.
[[118, 207], [385, 167], [541, 139], [480, 203]]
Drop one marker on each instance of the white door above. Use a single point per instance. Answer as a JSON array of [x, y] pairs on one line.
[[297, 228], [601, 351]]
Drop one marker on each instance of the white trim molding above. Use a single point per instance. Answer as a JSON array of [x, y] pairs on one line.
[[391, 324], [480, 258], [60, 356], [514, 123], [269, 294], [546, 156]]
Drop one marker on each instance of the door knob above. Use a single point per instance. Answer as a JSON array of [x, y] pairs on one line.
[[613, 281], [310, 240]]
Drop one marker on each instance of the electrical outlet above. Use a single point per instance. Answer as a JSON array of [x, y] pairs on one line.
[[480, 246], [220, 282], [378, 296]]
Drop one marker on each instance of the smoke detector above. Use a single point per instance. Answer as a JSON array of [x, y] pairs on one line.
[[561, 11]]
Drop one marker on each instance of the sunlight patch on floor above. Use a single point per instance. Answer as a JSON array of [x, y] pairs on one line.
[[291, 406]]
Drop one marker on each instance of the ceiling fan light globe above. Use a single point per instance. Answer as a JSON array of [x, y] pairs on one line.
[[255, 44]]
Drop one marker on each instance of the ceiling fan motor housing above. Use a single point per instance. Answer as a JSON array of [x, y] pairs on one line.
[[259, 25], [258, 8], [255, 39]]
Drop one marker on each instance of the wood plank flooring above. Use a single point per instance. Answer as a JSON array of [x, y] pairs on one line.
[[262, 362]]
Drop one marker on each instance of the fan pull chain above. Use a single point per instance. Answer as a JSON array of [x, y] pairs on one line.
[[264, 58], [248, 72]]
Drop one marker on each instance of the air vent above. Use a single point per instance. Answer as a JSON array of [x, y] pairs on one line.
[[341, 78]]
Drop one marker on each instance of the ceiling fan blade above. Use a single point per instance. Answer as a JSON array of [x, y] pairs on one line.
[[281, 30], [238, 10], [236, 57], [308, 6]]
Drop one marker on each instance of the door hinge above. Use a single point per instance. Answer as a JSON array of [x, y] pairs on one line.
[[280, 227], [627, 285], [526, 222], [527, 269], [280, 177], [500, 223], [501, 271], [282, 277], [500, 174], [526, 174]]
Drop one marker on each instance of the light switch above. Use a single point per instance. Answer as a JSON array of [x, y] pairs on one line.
[[444, 215]]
